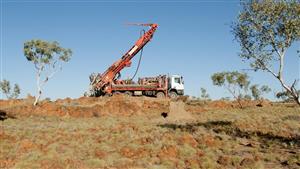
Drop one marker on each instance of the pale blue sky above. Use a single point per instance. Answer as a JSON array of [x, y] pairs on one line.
[[193, 40]]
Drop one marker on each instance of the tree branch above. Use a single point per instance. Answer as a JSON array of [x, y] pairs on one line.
[[233, 94], [273, 43], [266, 68], [261, 63], [293, 88], [51, 75]]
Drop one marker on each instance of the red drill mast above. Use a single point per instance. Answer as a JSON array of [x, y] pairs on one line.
[[101, 83]]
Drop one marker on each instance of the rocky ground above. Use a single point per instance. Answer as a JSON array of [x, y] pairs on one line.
[[139, 132]]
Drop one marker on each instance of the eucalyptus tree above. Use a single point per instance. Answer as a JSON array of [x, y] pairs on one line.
[[6, 89], [265, 30], [203, 94], [235, 82], [47, 58], [257, 92]]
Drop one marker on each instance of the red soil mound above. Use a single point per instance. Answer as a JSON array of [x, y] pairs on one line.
[[118, 105], [85, 107]]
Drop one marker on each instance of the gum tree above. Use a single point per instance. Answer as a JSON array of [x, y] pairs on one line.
[[266, 30], [6, 89], [203, 94], [285, 96], [235, 82], [257, 92], [47, 58]]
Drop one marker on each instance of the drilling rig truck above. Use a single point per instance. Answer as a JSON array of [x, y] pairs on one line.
[[109, 83]]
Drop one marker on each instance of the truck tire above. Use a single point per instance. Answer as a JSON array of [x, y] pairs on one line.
[[173, 95], [117, 93], [128, 93], [107, 95], [160, 95]]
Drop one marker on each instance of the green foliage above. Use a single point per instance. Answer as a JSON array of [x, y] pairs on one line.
[[233, 78], [47, 58], [265, 89], [17, 91], [5, 86], [235, 82], [204, 95], [255, 91], [265, 30], [258, 92], [39, 51], [285, 96], [225, 98], [6, 89], [246, 97]]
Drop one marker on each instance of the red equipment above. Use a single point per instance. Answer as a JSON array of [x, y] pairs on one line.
[[102, 84]]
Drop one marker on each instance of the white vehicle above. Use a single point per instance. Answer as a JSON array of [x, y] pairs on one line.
[[176, 86]]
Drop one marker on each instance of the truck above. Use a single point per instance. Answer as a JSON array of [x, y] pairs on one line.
[[109, 82]]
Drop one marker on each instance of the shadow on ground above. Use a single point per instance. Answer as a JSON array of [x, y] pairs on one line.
[[4, 116], [230, 129]]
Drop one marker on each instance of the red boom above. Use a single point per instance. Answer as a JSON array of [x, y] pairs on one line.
[[101, 82]]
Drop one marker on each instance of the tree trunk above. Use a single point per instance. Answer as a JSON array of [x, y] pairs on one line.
[[290, 90], [39, 90], [37, 98], [7, 96], [296, 98], [298, 101], [240, 104], [236, 98]]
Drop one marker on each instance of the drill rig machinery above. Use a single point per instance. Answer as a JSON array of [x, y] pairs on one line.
[[108, 83]]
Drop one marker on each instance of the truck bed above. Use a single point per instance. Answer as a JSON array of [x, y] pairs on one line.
[[134, 86]]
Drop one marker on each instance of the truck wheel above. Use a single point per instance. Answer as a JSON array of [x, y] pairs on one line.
[[107, 95], [173, 95], [117, 93], [128, 93], [160, 94]]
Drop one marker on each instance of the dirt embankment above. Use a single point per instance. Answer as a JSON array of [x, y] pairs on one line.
[[118, 105], [86, 107]]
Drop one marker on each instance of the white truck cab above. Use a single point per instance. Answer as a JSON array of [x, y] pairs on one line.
[[176, 86]]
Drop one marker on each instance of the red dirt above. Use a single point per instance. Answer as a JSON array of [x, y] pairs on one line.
[[8, 163], [144, 141], [100, 154], [26, 146], [133, 153], [84, 107], [189, 139], [168, 152], [210, 141], [118, 105]]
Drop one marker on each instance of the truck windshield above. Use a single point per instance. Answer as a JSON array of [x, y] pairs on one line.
[[177, 80]]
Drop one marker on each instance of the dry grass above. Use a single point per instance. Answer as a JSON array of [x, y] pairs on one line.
[[267, 137]]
